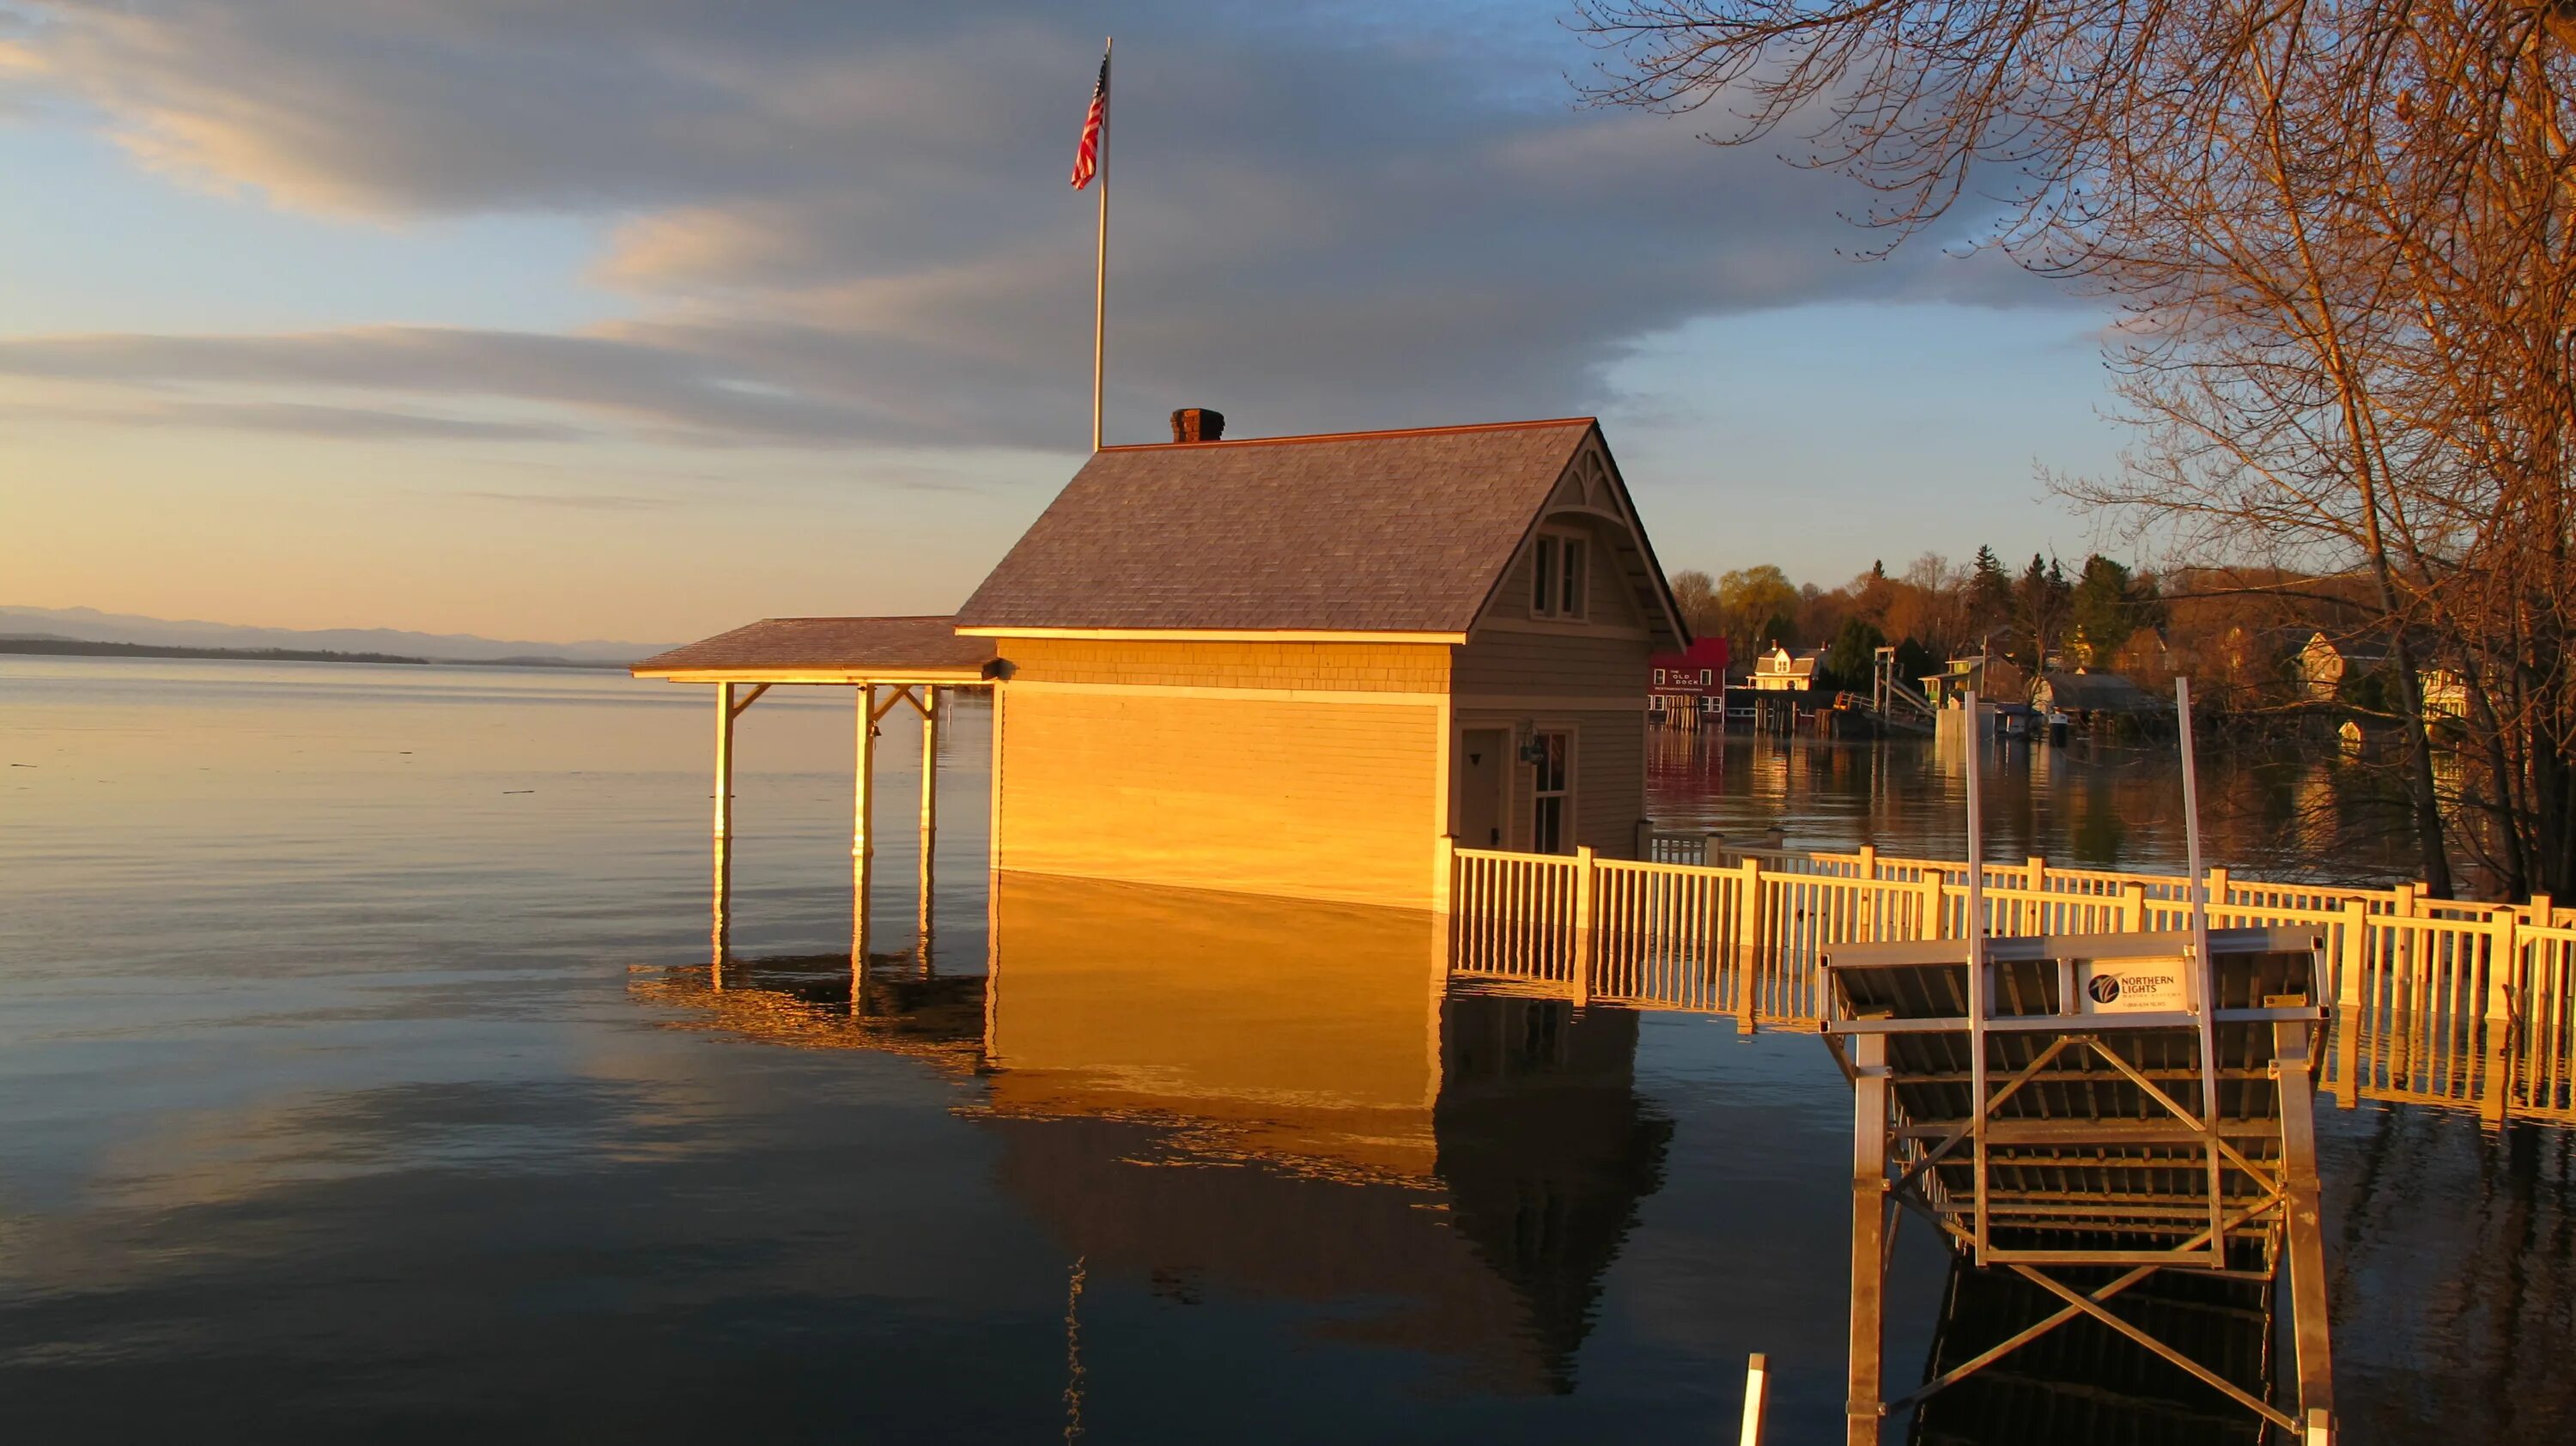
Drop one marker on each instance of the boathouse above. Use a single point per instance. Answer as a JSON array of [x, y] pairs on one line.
[[1291, 666]]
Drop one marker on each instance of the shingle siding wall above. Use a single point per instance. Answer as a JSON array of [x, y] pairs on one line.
[[1606, 595], [1251, 794], [1551, 665], [1317, 667]]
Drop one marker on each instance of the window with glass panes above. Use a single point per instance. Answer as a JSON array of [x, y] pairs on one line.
[[1557, 578], [1548, 832]]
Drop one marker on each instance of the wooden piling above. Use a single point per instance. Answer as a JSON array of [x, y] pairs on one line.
[[1748, 952], [929, 817], [720, 925], [862, 847], [2351, 989], [1584, 881], [2504, 951], [1757, 1383]]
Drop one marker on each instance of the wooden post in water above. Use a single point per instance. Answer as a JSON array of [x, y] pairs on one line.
[[720, 926], [1757, 1372], [1862, 1399], [2504, 950], [1748, 949], [2351, 988], [862, 847], [929, 816], [1867, 873], [1583, 882]]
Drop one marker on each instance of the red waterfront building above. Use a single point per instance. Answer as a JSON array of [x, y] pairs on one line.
[[1688, 683]]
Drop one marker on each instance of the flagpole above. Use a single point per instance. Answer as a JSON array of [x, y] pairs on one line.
[[1100, 269]]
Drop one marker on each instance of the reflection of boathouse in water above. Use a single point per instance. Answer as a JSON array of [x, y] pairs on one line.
[[1282, 666], [1273, 1098]]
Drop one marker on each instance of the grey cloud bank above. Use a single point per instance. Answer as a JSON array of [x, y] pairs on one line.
[[847, 225]]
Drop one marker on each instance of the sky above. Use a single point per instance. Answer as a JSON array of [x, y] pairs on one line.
[[638, 319]]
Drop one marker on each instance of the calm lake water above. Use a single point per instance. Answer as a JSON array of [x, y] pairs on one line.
[[362, 1078]]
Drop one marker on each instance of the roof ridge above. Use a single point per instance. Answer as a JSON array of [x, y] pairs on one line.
[[1355, 436], [867, 618]]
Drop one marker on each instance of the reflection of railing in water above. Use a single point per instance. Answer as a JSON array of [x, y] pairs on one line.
[[2435, 1000]]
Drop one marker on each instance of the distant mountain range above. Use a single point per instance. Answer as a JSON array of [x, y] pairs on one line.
[[91, 625]]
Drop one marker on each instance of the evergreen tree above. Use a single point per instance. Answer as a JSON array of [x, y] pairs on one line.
[[2110, 605], [1990, 594], [2041, 604], [1853, 656]]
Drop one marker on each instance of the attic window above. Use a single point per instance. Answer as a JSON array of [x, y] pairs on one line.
[[1558, 580]]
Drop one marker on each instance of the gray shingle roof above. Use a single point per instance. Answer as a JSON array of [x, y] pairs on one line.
[[920, 644], [1372, 532], [2098, 693]]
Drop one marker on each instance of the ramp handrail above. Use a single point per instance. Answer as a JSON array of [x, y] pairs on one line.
[[2440, 1001]]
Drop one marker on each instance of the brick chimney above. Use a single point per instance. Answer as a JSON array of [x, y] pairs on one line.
[[1197, 424]]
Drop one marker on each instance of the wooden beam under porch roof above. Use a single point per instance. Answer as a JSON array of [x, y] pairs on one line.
[[911, 657]]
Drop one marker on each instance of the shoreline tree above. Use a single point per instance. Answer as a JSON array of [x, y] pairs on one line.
[[2346, 238]]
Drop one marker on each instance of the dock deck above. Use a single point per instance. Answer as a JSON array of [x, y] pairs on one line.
[[2085, 1112]]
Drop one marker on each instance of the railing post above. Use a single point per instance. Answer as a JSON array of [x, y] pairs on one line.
[[1936, 910], [2133, 908], [2406, 900], [2504, 952], [2037, 868], [2350, 991], [1712, 845], [1867, 871], [1582, 926], [1748, 950], [2217, 889], [2538, 913]]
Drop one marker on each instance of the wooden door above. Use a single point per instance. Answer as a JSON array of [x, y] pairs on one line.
[[1483, 767]]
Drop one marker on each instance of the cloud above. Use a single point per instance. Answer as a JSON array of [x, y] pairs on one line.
[[297, 418], [842, 224], [576, 502]]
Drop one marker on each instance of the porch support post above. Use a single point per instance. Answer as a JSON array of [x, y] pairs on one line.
[[862, 847], [929, 813], [1863, 1401], [719, 929]]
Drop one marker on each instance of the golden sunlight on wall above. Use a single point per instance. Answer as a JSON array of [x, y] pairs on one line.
[[1268, 768]]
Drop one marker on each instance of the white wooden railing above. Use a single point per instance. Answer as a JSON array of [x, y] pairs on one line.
[[2443, 1001]]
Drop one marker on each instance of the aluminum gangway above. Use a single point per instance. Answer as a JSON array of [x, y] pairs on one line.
[[2074, 1110], [2087, 1111]]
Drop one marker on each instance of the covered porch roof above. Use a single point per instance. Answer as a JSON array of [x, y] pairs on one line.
[[831, 650]]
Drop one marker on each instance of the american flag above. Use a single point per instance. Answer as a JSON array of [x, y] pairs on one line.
[[1086, 157]]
